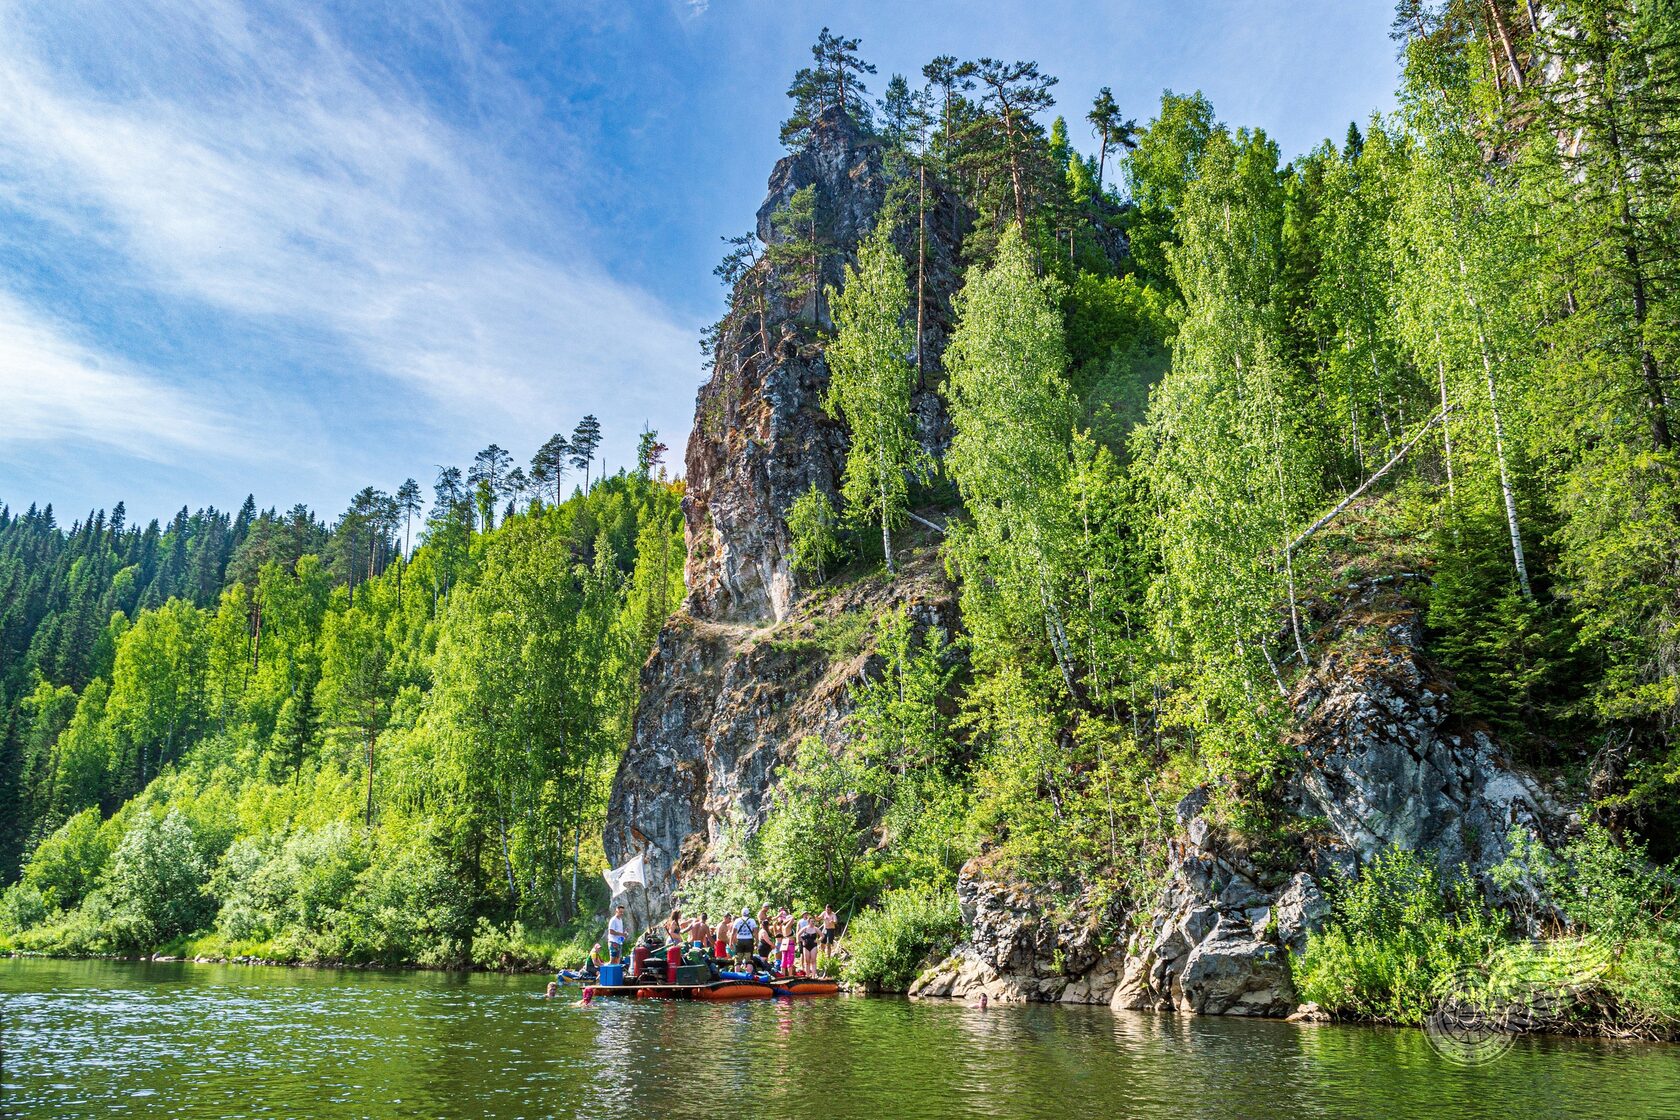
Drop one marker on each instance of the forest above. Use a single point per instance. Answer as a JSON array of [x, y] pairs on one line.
[[1193, 387], [1190, 409], [383, 739]]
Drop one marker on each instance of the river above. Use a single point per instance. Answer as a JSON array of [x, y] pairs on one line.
[[92, 1038]]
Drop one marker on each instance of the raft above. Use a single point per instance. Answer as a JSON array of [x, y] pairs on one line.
[[800, 986], [719, 991], [735, 989]]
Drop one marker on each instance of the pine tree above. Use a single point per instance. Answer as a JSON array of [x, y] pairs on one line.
[[548, 465], [488, 477], [835, 81], [1013, 93], [586, 437], [801, 243], [1108, 125]]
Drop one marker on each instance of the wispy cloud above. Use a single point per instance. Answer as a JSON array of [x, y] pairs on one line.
[[54, 387], [259, 166]]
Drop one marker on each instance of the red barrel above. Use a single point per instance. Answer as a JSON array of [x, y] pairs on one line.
[[637, 956]]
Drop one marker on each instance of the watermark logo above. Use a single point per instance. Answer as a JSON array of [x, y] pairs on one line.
[[1481, 1008]]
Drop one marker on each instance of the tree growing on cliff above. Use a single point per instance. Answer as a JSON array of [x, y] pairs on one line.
[[1110, 127], [908, 115], [801, 244], [813, 530], [1013, 415], [869, 386], [1232, 452], [1012, 93], [835, 81]]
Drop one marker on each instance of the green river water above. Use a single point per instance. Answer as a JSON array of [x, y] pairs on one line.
[[84, 1038]]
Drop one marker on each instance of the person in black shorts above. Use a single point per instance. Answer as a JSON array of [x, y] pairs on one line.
[[830, 928], [745, 932]]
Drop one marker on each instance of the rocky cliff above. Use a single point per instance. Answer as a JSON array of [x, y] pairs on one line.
[[748, 668], [753, 664], [1382, 761], [760, 436]]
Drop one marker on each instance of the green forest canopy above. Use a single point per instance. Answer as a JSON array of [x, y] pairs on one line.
[[1159, 390]]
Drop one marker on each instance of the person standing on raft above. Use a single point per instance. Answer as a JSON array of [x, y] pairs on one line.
[[615, 935], [744, 930]]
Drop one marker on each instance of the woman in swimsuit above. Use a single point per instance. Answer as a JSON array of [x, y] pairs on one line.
[[809, 935]]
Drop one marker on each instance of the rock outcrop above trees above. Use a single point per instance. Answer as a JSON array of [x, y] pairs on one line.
[[1382, 762], [749, 668]]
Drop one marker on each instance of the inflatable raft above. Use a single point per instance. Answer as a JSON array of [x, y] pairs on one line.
[[729, 987]]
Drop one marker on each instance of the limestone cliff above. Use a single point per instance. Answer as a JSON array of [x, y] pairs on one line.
[[748, 668]]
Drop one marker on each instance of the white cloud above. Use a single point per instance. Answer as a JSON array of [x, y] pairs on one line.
[[286, 180], [55, 389]]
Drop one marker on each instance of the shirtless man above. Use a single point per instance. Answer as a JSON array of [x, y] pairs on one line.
[[700, 933], [830, 928]]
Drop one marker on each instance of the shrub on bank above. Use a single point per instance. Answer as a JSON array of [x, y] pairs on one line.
[[1397, 934], [887, 946], [156, 882], [1623, 915]]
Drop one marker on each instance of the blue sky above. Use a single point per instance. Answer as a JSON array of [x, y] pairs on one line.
[[295, 249]]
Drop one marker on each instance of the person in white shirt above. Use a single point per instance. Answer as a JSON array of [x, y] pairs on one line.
[[615, 935], [745, 929]]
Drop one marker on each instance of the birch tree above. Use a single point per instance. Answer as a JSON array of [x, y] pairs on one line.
[[871, 378]]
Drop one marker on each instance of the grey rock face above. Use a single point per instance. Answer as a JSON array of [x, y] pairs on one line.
[[761, 437], [723, 708], [1216, 945], [1384, 764], [738, 679], [1019, 948]]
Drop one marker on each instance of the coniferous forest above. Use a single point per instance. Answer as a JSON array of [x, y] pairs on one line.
[[1202, 396]]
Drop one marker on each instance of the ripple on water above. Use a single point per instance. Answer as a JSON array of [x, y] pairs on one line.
[[178, 1040]]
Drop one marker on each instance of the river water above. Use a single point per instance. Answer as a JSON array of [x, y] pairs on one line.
[[85, 1038]]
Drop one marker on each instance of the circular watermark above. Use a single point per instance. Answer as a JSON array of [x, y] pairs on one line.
[[1469, 1025], [1481, 1008]]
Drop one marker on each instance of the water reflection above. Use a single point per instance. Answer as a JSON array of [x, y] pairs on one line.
[[94, 1039]]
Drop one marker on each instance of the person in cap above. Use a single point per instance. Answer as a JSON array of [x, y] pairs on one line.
[[744, 930]]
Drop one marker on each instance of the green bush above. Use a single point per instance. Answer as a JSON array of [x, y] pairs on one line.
[[156, 882], [813, 527], [407, 907], [21, 907], [887, 946], [69, 862], [812, 842], [1624, 907], [1396, 935]]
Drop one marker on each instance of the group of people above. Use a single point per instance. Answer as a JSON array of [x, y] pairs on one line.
[[780, 943]]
